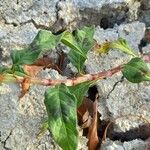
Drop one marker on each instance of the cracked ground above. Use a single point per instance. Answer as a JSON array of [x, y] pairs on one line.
[[19, 23]]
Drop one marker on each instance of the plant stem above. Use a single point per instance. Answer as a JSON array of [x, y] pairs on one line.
[[73, 81]]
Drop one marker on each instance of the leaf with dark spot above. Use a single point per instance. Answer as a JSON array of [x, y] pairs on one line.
[[62, 117]]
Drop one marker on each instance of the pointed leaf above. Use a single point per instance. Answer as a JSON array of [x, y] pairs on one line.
[[122, 45], [136, 71], [70, 41], [77, 60], [80, 43], [25, 56], [80, 90], [84, 38], [62, 117], [45, 40]]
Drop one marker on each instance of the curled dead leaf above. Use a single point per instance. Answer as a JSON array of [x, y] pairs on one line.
[[88, 118], [92, 133], [47, 62], [25, 85], [84, 111], [32, 71]]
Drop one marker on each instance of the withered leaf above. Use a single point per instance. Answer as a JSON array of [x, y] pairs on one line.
[[88, 118], [92, 133], [25, 85], [33, 69], [47, 62], [84, 112]]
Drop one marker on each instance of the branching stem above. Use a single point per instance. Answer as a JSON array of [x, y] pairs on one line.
[[76, 80]]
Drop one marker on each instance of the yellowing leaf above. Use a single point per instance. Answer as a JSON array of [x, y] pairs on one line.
[[122, 45], [103, 48]]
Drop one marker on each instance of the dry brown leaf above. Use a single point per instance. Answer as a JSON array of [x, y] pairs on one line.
[[88, 118], [25, 85], [33, 70], [92, 133], [61, 60], [84, 112], [47, 62], [44, 61]]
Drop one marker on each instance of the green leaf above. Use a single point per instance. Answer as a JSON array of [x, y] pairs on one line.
[[136, 71], [62, 117], [45, 40], [18, 70], [70, 41], [15, 70], [8, 75], [77, 60], [122, 45], [84, 38], [25, 56], [80, 43], [80, 90], [3, 70]]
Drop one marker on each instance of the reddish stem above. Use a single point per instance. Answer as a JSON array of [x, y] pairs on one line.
[[77, 80], [73, 81]]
